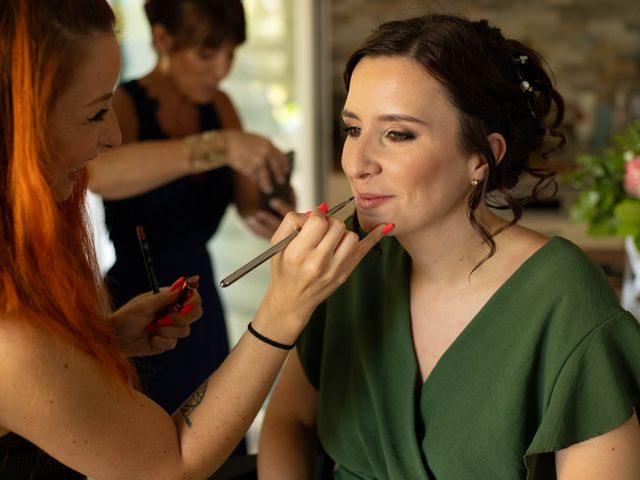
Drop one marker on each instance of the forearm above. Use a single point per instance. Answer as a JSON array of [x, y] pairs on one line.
[[212, 422], [138, 167]]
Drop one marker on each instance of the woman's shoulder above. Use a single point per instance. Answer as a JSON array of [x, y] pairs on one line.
[[226, 111], [25, 351], [33, 360], [23, 344], [555, 271], [31, 350], [559, 255]]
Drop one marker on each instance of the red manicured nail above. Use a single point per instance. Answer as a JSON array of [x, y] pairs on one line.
[[164, 322], [186, 309], [308, 214], [152, 328], [324, 208], [387, 228], [177, 284]]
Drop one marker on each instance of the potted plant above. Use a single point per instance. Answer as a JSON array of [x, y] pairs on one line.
[[609, 200]]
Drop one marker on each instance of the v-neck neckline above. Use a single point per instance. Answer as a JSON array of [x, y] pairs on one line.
[[155, 105], [495, 297]]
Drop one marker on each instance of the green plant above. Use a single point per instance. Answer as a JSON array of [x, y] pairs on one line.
[[609, 183]]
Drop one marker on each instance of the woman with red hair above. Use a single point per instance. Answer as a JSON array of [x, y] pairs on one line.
[[65, 384]]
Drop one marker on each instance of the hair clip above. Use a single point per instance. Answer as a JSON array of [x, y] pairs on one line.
[[526, 86]]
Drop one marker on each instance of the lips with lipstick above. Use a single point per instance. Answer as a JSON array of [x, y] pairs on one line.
[[371, 200]]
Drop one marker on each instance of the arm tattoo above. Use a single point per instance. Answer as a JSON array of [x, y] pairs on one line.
[[190, 405]]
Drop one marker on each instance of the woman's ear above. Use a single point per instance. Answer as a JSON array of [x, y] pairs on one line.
[[162, 39], [498, 145], [479, 169]]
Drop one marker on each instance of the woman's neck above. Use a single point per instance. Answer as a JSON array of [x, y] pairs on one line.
[[161, 86], [449, 253]]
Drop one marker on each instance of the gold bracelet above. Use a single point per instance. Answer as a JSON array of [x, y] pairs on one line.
[[207, 150]]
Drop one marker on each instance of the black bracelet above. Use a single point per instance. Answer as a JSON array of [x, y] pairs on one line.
[[273, 343]]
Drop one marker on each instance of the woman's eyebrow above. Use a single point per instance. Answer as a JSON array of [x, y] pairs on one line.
[[349, 114], [398, 117], [101, 98], [388, 117]]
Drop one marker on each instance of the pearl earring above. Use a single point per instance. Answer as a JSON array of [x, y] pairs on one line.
[[475, 181]]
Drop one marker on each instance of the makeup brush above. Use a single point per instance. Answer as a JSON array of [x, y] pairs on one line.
[[267, 254]]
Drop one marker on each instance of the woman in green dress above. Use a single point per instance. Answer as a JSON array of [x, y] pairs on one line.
[[466, 346]]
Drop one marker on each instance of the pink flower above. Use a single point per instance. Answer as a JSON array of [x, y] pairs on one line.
[[632, 177]]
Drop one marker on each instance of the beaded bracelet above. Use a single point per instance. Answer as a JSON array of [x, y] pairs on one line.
[[267, 340]]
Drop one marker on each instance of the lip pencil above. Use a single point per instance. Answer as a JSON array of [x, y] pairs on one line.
[[146, 256], [267, 254]]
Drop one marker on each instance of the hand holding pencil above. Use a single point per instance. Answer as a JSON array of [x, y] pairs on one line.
[[167, 312], [319, 255], [140, 330]]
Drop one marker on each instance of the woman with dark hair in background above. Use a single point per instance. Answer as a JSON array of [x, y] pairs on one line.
[[467, 347], [65, 385], [183, 161]]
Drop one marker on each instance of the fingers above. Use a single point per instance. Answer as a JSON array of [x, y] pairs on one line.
[[292, 222], [256, 157], [327, 235], [177, 325], [272, 168], [179, 304], [282, 207], [173, 332], [279, 165], [262, 177], [263, 223], [161, 344], [374, 236]]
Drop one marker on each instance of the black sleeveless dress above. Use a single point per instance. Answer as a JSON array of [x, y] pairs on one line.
[[179, 219], [22, 460]]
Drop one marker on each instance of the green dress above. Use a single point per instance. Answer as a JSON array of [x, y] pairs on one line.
[[549, 361]]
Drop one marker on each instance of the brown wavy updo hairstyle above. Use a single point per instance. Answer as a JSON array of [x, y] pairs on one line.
[[483, 74], [193, 23]]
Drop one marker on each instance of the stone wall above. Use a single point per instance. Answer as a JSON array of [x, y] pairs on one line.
[[592, 46]]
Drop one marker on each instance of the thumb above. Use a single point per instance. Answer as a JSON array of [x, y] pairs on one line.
[[372, 238]]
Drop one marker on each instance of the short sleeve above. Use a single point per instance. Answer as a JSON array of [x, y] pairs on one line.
[[310, 344], [596, 389]]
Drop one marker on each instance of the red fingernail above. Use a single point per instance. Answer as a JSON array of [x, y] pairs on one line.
[[186, 309], [164, 322], [152, 328], [387, 228], [177, 284], [324, 208], [308, 214]]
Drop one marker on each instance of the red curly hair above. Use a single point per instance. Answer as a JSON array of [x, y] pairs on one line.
[[48, 269]]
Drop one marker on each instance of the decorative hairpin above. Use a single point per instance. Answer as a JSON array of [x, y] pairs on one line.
[[524, 85]]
